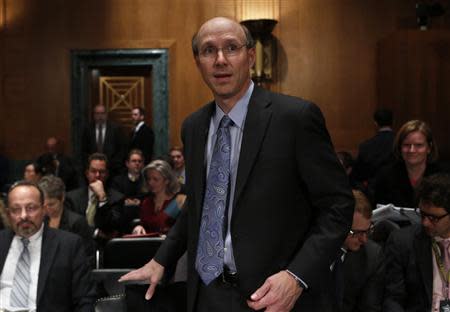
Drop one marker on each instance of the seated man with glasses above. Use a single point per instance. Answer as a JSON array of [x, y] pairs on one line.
[[41, 269], [417, 257], [359, 268]]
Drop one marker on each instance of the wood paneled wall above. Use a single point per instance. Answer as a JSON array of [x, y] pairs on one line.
[[327, 53]]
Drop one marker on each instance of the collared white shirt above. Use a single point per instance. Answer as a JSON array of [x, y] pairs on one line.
[[9, 269], [97, 131], [139, 125]]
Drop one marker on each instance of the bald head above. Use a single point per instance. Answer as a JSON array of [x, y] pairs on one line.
[[225, 24]]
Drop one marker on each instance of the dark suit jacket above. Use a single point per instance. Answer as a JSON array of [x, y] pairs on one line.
[[143, 140], [364, 279], [107, 218], [113, 146], [409, 271], [393, 186], [292, 206], [77, 224], [373, 154], [64, 282]]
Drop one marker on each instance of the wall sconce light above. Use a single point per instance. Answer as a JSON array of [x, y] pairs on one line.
[[261, 30]]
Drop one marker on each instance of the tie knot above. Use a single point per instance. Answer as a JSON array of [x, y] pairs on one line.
[[225, 122], [25, 242]]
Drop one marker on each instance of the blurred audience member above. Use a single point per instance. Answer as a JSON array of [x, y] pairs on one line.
[[64, 219], [142, 136], [59, 164], [131, 185], [176, 154], [417, 256], [162, 206], [104, 136], [362, 284], [375, 152], [416, 154], [101, 206], [32, 172]]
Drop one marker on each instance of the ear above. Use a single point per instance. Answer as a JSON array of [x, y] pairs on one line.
[[197, 62], [251, 57]]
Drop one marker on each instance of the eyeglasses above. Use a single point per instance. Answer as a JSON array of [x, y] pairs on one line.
[[30, 209], [230, 50], [432, 218], [360, 233]]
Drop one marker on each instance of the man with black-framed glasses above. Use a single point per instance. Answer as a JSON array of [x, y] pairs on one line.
[[418, 257], [359, 269]]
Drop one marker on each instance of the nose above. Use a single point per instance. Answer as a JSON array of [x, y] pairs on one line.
[[23, 214], [412, 148], [220, 58]]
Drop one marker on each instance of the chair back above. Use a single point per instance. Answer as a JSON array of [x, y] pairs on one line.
[[129, 253]]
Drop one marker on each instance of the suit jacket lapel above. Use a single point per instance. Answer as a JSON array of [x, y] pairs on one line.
[[201, 132], [48, 252], [5, 241], [424, 261], [255, 126]]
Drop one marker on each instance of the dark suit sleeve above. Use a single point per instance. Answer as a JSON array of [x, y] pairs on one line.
[[175, 243], [329, 194], [371, 298], [395, 289]]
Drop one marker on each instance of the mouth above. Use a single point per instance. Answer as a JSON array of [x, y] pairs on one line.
[[222, 77]]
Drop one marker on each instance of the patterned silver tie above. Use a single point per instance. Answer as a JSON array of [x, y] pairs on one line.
[[210, 253], [22, 279]]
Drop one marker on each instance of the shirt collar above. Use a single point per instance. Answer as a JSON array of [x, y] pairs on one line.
[[139, 125], [238, 112]]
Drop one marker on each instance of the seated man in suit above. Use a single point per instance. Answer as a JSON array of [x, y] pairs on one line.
[[142, 136], [42, 269], [131, 185], [363, 266], [101, 205], [417, 256]]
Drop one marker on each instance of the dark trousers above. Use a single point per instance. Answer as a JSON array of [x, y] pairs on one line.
[[220, 297]]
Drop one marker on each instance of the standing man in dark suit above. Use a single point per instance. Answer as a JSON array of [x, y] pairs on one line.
[[104, 136], [363, 264], [417, 257], [42, 269], [377, 151], [268, 202], [142, 136]]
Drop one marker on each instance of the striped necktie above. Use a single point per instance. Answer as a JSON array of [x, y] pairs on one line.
[[22, 279]]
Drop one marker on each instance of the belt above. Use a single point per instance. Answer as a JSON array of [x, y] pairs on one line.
[[228, 277]]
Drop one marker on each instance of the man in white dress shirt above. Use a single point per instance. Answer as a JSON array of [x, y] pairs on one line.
[[42, 269]]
